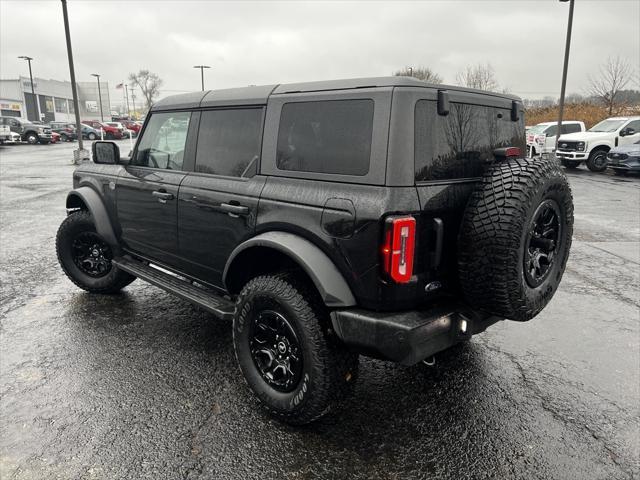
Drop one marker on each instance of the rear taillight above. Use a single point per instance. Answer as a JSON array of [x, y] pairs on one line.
[[398, 248]]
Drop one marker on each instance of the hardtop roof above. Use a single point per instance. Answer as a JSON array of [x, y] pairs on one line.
[[258, 95]]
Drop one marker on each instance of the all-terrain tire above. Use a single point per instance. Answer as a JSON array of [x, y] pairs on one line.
[[572, 164], [77, 223], [597, 161], [495, 238], [328, 369]]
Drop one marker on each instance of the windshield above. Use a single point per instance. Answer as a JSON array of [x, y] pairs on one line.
[[607, 126], [538, 129]]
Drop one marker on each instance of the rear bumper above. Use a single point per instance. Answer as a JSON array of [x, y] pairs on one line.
[[570, 155], [408, 337]]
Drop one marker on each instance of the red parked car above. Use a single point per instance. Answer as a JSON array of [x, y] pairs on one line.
[[55, 137], [110, 133], [131, 125]]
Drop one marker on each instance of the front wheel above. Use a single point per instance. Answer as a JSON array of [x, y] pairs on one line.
[[92, 136], [86, 258], [32, 138], [597, 161], [298, 371]]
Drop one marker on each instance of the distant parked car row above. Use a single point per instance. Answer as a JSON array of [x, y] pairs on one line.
[[15, 130], [612, 143]]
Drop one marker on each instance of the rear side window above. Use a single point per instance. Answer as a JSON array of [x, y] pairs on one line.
[[460, 144], [229, 142], [326, 137], [571, 128]]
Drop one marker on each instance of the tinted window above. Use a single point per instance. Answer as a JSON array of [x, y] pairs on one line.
[[552, 131], [229, 142], [326, 137], [571, 128], [162, 143], [635, 125], [460, 144]]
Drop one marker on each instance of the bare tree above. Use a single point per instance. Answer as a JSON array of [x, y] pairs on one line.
[[479, 76], [614, 75], [421, 73], [149, 83]]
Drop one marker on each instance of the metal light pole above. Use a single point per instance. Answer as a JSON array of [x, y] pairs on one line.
[[202, 67], [33, 93], [82, 154], [99, 96], [567, 47], [133, 99], [126, 94], [410, 71]]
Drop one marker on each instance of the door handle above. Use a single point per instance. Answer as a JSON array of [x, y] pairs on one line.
[[162, 196], [234, 209]]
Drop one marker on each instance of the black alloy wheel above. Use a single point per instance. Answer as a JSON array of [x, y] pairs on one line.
[[91, 254], [542, 243], [275, 350], [597, 161]]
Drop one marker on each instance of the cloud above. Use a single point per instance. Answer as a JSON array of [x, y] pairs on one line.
[[277, 42]]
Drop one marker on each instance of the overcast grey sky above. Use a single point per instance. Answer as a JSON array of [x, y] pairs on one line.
[[279, 42]]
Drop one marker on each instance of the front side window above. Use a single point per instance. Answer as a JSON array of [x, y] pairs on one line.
[[461, 144], [229, 142], [326, 137], [634, 125], [163, 141]]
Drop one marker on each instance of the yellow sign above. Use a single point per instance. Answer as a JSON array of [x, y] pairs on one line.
[[10, 106]]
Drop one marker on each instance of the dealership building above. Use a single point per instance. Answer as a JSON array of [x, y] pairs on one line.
[[53, 100]]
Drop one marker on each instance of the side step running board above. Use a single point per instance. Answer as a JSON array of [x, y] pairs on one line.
[[207, 299]]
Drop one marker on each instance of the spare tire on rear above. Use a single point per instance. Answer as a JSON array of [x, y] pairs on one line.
[[515, 238]]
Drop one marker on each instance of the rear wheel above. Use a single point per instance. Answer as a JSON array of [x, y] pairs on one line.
[[597, 161], [86, 258], [298, 371], [515, 238], [92, 136]]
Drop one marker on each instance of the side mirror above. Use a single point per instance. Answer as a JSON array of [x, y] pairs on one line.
[[627, 131], [105, 152]]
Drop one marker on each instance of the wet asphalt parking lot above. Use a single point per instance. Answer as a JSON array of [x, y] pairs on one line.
[[143, 385]]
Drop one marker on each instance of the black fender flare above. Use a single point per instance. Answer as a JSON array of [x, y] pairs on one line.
[[330, 283], [89, 197]]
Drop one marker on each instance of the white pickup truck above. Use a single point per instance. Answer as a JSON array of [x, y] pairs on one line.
[[541, 138], [593, 145], [5, 134]]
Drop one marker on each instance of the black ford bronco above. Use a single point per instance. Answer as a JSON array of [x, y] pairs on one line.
[[384, 216]]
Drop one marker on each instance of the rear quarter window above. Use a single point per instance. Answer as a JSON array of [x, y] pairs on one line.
[[460, 145], [332, 136]]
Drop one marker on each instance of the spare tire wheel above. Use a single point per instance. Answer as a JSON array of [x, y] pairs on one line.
[[515, 238]]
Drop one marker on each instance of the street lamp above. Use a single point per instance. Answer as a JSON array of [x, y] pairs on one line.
[[33, 93], [133, 98], [410, 71], [202, 67], [567, 47], [99, 96]]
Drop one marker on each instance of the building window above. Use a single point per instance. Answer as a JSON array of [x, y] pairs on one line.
[[61, 104]]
